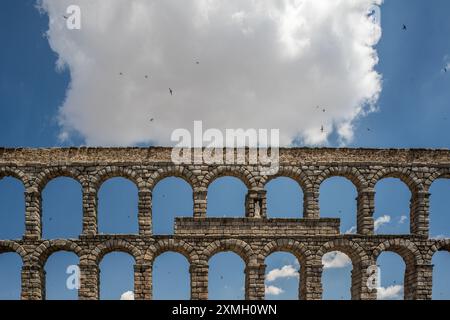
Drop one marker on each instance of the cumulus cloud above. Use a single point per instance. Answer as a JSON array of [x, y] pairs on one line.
[[285, 272], [261, 64], [381, 221], [335, 260], [403, 219], [352, 230], [439, 237], [390, 293], [128, 295], [273, 291]]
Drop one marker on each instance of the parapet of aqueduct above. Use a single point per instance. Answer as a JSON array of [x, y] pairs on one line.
[[253, 237]]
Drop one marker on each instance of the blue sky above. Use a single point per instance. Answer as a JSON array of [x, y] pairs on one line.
[[413, 111]]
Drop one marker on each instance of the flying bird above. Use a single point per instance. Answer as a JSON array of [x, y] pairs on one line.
[[171, 92], [323, 110], [445, 69], [121, 74], [66, 17], [197, 62], [321, 129], [146, 76], [404, 27], [151, 119]]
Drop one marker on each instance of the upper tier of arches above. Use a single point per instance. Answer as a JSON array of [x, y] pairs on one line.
[[309, 178]]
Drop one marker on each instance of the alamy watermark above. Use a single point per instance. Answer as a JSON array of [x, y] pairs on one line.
[[73, 280], [374, 277], [258, 147], [374, 13], [73, 17]]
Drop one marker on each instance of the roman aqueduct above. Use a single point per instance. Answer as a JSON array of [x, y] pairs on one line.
[[252, 237]]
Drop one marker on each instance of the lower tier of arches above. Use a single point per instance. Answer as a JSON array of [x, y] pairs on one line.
[[416, 252]]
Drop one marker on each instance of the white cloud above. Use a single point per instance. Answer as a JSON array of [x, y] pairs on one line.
[[381, 221], [439, 237], [273, 291], [403, 219], [390, 293], [335, 260], [262, 64], [285, 272], [352, 230], [128, 295]]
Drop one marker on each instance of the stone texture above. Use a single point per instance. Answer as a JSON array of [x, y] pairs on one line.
[[252, 237]]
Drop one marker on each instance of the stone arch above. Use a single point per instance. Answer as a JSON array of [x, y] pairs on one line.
[[418, 203], [403, 247], [239, 172], [44, 177], [439, 245], [294, 173], [359, 258], [173, 171], [15, 173], [7, 246], [241, 248], [294, 247], [443, 173], [48, 247], [348, 172], [117, 172], [406, 175], [170, 245], [19, 176], [353, 250], [113, 245]]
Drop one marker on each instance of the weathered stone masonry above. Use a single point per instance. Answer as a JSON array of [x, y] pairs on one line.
[[252, 237]]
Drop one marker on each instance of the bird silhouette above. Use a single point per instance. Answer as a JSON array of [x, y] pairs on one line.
[[445, 70], [171, 91], [151, 119], [197, 62], [121, 74], [323, 110], [321, 129], [146, 76], [404, 27], [66, 17]]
